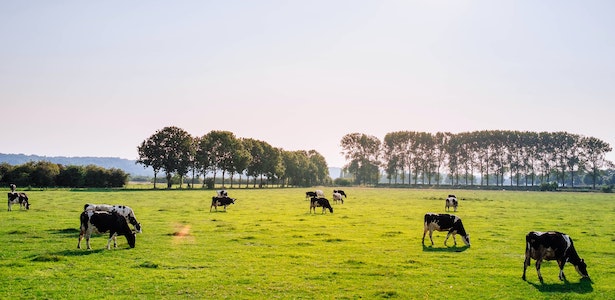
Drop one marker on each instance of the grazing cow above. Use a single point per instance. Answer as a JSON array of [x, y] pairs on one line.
[[444, 222], [341, 192], [451, 201], [552, 245], [319, 193], [15, 198], [103, 221], [310, 194], [338, 197], [222, 193], [221, 201], [123, 210], [320, 202]]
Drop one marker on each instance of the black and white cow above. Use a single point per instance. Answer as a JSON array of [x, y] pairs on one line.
[[451, 201], [320, 202], [445, 222], [221, 201], [552, 245], [222, 193], [99, 222], [310, 194], [319, 193], [123, 210], [341, 192], [18, 198], [13, 187], [338, 197]]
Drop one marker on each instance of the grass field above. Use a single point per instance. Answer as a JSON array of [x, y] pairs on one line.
[[268, 245]]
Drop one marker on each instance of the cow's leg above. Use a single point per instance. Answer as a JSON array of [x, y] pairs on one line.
[[9, 206], [80, 238], [431, 238], [538, 261], [526, 263], [447, 236], [424, 232], [87, 241], [111, 237], [561, 264]]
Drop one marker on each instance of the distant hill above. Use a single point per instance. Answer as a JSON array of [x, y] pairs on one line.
[[127, 165]]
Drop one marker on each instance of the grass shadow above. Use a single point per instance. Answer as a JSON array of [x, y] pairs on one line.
[[80, 252], [445, 249], [66, 231], [584, 286]]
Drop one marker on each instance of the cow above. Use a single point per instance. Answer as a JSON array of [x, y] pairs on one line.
[[338, 197], [15, 198], [93, 221], [552, 245], [445, 222], [222, 193], [123, 210], [310, 194], [341, 192], [13, 187], [319, 193], [320, 202], [451, 201], [221, 201]]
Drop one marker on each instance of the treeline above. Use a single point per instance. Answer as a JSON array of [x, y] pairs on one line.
[[42, 174], [479, 157], [175, 153]]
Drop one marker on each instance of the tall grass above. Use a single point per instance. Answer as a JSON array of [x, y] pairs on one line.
[[268, 245]]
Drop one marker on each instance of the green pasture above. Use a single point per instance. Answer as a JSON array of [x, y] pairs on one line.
[[269, 246]]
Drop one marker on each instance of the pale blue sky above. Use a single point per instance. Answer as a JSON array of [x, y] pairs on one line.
[[96, 78]]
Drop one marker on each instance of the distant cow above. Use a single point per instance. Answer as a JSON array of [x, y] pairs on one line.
[[103, 221], [445, 222], [123, 210], [320, 202], [338, 197], [552, 245], [341, 192], [13, 187], [310, 194], [451, 201], [18, 198], [222, 193], [319, 193], [221, 201]]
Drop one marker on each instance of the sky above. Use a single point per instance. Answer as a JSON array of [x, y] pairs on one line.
[[97, 78]]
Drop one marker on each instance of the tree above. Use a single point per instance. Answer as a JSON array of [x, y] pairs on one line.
[[363, 151], [594, 152], [169, 150]]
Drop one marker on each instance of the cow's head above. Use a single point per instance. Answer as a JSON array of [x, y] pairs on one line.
[[131, 238], [466, 239], [582, 269]]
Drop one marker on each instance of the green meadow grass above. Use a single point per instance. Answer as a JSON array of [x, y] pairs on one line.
[[268, 245]]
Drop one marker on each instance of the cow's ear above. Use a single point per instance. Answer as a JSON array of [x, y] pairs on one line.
[[582, 260]]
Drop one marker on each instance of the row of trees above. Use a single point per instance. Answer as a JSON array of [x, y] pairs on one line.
[[173, 151], [527, 158], [46, 174]]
